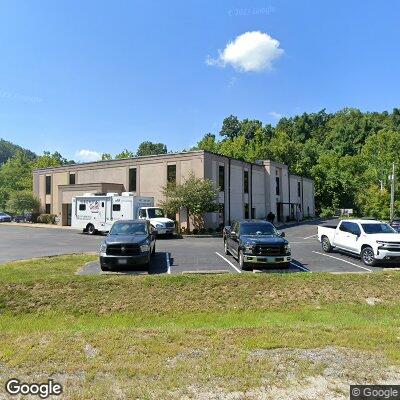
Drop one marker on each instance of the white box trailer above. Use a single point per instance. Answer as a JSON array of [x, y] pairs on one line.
[[96, 213]]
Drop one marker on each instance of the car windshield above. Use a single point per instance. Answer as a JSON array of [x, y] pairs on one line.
[[258, 229], [377, 228], [128, 228], [2, 214], [155, 212]]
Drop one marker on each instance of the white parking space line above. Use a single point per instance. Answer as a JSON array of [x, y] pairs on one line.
[[309, 237], [225, 259], [168, 263], [345, 261]]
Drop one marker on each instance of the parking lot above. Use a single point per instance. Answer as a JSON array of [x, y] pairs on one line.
[[174, 255]]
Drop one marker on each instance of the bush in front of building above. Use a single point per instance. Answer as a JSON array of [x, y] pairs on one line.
[[46, 219]]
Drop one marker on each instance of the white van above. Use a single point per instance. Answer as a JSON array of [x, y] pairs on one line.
[[96, 213]]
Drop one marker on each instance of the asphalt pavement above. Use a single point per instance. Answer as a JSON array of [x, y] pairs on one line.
[[175, 255]]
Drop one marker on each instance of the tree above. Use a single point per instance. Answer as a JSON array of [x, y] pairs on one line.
[[106, 156], [15, 176], [24, 201], [208, 143], [149, 148], [48, 160], [230, 127], [196, 195], [125, 154]]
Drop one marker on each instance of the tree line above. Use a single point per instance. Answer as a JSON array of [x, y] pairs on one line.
[[349, 154]]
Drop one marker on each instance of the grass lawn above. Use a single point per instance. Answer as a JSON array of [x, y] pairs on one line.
[[249, 336]]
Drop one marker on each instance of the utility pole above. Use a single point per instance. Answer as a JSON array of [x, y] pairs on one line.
[[393, 178]]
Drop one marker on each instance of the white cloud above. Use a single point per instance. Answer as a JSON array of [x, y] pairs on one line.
[[250, 52], [87, 155], [275, 115]]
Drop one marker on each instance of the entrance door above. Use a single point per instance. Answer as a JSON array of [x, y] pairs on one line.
[[66, 214], [279, 211], [69, 213]]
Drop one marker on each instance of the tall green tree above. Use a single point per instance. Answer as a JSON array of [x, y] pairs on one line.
[[149, 148]]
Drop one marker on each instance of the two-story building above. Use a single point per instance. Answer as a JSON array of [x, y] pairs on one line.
[[247, 190]]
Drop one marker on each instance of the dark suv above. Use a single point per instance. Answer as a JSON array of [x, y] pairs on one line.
[[129, 243], [256, 242]]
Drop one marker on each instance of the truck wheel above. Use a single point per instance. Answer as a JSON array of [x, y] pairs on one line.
[[243, 265], [90, 229], [367, 256], [226, 251], [326, 245]]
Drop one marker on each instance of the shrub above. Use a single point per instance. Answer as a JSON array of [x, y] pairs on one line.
[[195, 231], [46, 218], [327, 213], [203, 231], [210, 231]]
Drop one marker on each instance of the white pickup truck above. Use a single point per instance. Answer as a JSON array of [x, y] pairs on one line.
[[372, 240]]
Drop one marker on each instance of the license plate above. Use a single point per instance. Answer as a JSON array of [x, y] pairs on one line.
[[122, 261]]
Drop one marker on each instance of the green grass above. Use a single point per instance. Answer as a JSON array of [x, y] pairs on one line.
[[154, 336]]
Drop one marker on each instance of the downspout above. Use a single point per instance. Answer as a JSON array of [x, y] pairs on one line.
[[229, 190], [290, 206], [302, 197], [251, 192]]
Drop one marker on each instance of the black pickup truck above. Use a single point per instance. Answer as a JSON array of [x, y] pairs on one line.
[[129, 243], [256, 242]]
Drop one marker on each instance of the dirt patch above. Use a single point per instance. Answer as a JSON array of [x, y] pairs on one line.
[[185, 356], [334, 369]]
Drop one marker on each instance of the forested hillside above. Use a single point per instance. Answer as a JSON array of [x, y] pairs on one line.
[[349, 153], [8, 149]]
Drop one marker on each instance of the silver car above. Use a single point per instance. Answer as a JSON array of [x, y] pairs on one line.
[[5, 217]]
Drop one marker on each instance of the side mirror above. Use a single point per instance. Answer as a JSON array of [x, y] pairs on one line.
[[282, 234]]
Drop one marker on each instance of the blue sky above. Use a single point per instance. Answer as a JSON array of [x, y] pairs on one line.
[[103, 76]]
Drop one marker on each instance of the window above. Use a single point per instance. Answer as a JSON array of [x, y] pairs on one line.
[[299, 189], [82, 207], [221, 178], [116, 207], [129, 228], [354, 229], [142, 213], [72, 179], [48, 208], [246, 211], [156, 213], [377, 228], [253, 213], [277, 188], [132, 179], [344, 227], [48, 184], [171, 174], [246, 181]]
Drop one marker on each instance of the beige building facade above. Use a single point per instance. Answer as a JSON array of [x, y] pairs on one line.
[[247, 190]]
